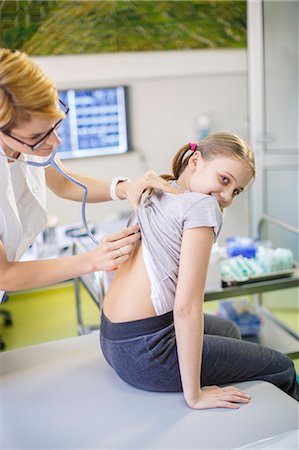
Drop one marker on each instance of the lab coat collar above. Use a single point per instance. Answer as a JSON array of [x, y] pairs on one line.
[[18, 239], [34, 176]]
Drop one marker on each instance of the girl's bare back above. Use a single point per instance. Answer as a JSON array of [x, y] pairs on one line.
[[128, 297]]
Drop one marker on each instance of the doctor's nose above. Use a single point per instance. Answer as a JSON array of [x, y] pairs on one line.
[[54, 139]]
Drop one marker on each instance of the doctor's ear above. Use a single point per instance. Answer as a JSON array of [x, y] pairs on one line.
[[194, 160]]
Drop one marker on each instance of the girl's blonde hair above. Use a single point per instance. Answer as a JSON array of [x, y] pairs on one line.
[[214, 146], [24, 91]]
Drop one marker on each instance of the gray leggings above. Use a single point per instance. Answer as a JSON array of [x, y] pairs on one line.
[[143, 353]]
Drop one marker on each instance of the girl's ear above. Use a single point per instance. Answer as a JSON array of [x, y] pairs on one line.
[[194, 160]]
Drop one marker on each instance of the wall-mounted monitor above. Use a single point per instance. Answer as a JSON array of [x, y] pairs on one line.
[[96, 124]]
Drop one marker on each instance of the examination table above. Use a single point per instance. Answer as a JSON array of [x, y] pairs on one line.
[[63, 395]]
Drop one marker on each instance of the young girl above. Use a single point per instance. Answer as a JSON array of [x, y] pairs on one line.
[[152, 331]]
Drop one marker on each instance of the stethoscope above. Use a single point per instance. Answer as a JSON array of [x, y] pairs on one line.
[[51, 161]]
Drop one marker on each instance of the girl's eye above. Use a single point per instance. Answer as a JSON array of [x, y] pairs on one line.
[[236, 192], [224, 179]]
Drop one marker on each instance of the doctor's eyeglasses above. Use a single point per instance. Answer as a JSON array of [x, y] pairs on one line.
[[41, 141]]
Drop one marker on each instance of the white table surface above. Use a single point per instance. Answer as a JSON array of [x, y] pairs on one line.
[[63, 394]]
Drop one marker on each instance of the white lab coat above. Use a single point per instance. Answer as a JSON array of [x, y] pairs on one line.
[[22, 205]]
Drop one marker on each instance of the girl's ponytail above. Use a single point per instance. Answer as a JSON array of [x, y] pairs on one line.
[[218, 145], [179, 163]]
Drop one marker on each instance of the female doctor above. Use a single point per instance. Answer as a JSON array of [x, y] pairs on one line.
[[30, 113]]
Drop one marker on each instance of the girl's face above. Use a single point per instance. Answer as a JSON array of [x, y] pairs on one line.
[[31, 133], [223, 177]]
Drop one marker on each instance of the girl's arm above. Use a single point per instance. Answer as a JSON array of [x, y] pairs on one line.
[[189, 323], [16, 276], [99, 190]]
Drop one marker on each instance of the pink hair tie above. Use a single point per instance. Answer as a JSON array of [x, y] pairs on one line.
[[193, 146]]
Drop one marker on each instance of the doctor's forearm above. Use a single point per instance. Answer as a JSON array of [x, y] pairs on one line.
[[98, 190], [16, 276]]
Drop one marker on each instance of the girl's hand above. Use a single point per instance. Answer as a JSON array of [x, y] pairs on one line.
[[217, 397], [133, 190], [114, 249]]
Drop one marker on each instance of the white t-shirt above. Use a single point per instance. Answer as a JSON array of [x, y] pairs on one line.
[[162, 218], [22, 204]]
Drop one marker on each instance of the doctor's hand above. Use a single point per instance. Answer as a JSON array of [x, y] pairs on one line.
[[114, 249], [133, 190], [217, 397]]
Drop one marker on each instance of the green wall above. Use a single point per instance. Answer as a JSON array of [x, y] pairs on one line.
[[76, 27]]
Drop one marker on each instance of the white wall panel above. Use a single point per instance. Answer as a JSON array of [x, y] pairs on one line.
[[167, 91]]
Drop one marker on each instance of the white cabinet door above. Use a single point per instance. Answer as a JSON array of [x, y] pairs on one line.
[[273, 78]]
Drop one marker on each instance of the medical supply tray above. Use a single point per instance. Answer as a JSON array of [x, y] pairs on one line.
[[256, 278]]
